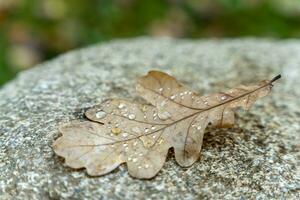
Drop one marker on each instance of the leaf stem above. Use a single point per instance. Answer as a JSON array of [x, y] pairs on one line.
[[275, 78]]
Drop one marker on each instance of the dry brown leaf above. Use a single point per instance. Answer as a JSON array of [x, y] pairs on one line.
[[140, 135]]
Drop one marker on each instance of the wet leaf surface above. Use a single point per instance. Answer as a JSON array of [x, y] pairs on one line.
[[140, 135]]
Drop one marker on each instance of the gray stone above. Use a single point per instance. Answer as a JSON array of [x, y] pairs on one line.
[[257, 158]]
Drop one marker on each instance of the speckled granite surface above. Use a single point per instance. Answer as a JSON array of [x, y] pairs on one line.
[[258, 158]]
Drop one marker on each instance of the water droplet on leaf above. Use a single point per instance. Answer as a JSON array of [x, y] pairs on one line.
[[163, 103], [131, 116], [160, 141], [164, 115], [100, 114], [116, 130], [136, 130], [223, 97], [144, 108], [121, 105]]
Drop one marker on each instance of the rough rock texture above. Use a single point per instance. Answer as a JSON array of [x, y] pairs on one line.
[[258, 158]]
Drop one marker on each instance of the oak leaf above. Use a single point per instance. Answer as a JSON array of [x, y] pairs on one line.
[[140, 135]]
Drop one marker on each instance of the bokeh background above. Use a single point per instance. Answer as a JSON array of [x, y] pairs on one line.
[[32, 31]]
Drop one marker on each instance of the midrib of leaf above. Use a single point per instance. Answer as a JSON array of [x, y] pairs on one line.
[[142, 122], [191, 115], [169, 99]]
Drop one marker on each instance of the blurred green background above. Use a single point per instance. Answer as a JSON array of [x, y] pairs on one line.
[[35, 30]]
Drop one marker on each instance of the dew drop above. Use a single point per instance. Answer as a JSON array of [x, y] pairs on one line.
[[223, 98], [205, 102], [121, 105], [139, 167], [141, 154], [116, 130], [146, 166], [125, 135], [131, 116], [134, 160], [164, 115], [173, 97], [153, 128], [163, 103], [125, 145], [148, 143], [160, 141], [100, 114], [160, 89], [146, 130], [135, 143], [129, 158], [199, 128], [154, 136], [144, 108], [136, 129]]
